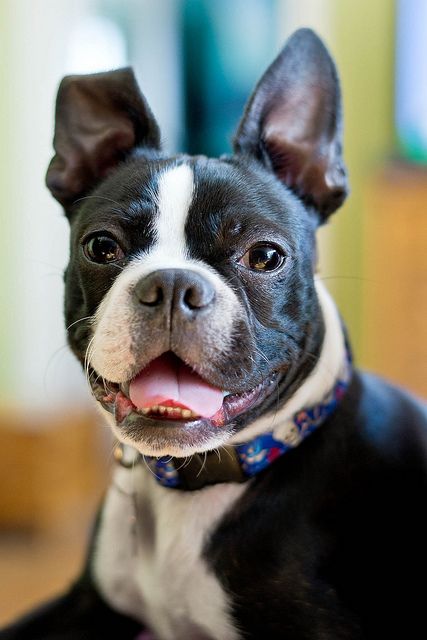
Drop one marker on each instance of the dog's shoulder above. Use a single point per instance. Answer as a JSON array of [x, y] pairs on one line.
[[391, 420]]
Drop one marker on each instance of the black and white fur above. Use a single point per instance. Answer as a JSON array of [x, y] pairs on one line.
[[330, 541]]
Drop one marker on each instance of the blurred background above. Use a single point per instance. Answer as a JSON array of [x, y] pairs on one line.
[[196, 61]]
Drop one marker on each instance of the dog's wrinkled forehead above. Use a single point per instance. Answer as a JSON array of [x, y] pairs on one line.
[[205, 204]]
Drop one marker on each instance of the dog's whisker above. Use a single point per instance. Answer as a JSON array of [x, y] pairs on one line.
[[54, 355], [77, 321], [203, 464], [121, 209], [57, 269], [262, 354], [217, 451], [225, 450], [148, 466], [53, 274], [105, 385], [188, 461], [356, 278], [87, 360], [184, 463]]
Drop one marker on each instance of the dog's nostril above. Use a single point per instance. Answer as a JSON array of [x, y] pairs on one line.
[[153, 296], [198, 296], [149, 293]]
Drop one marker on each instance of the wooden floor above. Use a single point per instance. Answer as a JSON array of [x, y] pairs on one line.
[[35, 568], [52, 478]]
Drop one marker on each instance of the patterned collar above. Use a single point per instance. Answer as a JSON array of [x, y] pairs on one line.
[[242, 461]]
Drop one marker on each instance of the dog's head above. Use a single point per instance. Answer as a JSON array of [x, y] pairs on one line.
[[190, 296]]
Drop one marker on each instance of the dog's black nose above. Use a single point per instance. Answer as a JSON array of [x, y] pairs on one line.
[[178, 289]]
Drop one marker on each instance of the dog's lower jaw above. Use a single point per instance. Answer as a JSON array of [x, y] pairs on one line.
[[181, 438]]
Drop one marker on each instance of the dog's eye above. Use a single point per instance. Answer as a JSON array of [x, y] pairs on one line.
[[263, 257], [102, 249]]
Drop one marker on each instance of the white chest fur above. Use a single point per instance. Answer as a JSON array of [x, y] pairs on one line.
[[148, 561]]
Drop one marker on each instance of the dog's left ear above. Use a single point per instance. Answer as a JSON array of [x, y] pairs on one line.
[[293, 123], [99, 119]]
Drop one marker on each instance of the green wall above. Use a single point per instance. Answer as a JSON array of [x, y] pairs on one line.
[[363, 44]]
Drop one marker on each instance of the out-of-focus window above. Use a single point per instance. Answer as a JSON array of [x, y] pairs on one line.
[[227, 46], [411, 79]]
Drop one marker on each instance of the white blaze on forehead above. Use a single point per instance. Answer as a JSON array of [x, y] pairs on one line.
[[175, 193]]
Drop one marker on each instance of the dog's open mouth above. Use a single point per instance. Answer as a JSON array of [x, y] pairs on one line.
[[170, 392]]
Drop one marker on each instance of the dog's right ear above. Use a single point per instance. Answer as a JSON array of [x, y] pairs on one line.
[[293, 123], [99, 119]]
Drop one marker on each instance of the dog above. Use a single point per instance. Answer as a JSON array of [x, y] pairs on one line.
[[264, 487]]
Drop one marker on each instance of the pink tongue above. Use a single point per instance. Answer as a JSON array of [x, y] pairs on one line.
[[167, 378]]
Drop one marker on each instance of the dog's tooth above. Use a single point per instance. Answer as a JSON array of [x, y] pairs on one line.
[[186, 413], [169, 410], [155, 407], [162, 409], [145, 410]]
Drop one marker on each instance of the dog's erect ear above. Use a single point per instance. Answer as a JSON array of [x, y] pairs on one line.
[[293, 123], [99, 119]]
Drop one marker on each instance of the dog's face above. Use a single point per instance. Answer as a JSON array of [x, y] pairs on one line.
[[190, 297]]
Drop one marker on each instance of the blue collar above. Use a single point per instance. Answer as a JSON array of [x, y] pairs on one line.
[[243, 461]]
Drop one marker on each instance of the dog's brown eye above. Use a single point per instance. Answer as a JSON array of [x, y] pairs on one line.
[[263, 257], [102, 249]]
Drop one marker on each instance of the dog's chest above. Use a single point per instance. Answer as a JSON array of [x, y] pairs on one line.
[[149, 562]]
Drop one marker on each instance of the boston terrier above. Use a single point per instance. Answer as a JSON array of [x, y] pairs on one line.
[[264, 488]]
